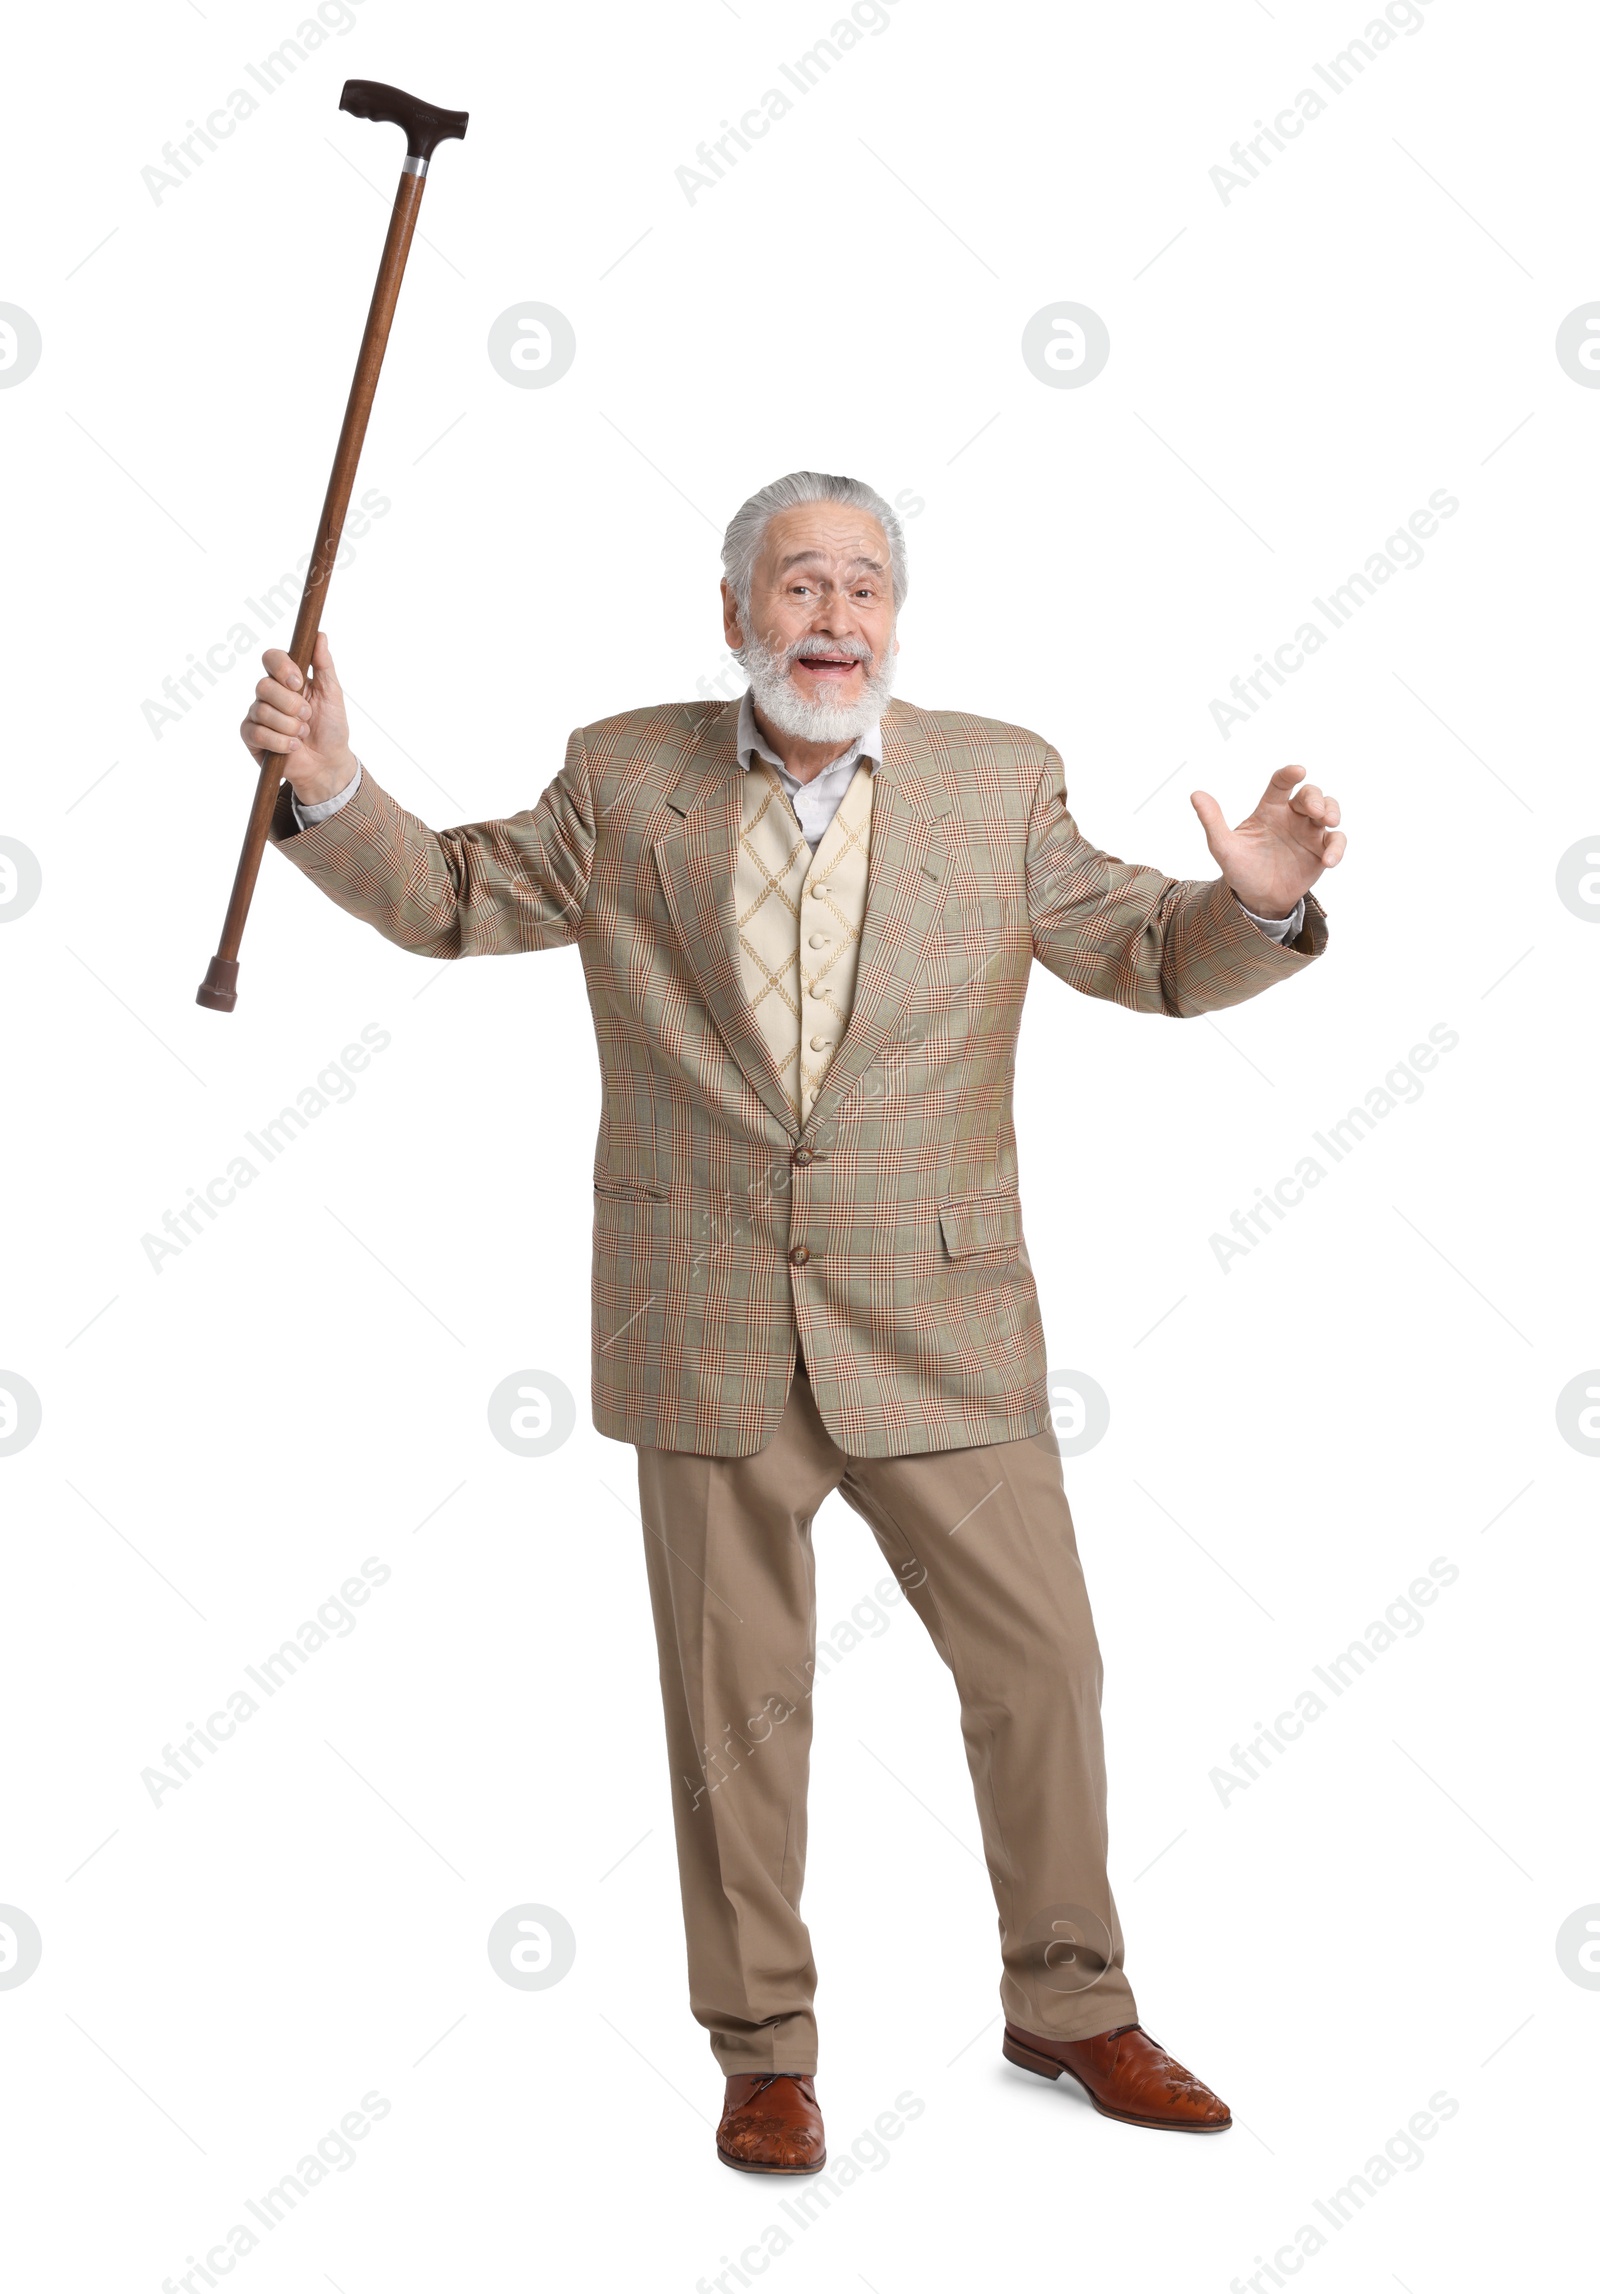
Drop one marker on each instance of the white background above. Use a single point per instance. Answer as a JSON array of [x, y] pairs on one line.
[[1292, 1441]]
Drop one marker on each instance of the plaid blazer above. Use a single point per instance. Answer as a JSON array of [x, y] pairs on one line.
[[886, 1231]]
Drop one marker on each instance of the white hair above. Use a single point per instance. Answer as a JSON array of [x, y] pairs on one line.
[[741, 545]]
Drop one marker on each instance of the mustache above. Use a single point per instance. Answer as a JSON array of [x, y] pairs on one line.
[[856, 648], [806, 648]]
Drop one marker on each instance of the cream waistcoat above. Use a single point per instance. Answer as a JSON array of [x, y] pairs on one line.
[[800, 914]]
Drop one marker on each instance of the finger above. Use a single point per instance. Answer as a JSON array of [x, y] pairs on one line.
[[274, 695], [1284, 778], [1211, 815], [274, 721], [325, 687], [1333, 850], [280, 666], [261, 740], [322, 664]]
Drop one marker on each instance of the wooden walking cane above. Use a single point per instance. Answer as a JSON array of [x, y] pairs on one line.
[[426, 126]]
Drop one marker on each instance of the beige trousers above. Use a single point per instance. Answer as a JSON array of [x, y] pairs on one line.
[[981, 1541]]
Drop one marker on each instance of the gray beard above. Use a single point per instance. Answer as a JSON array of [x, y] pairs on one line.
[[791, 712]]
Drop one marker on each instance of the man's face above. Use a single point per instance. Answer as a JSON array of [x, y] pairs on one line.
[[822, 614]]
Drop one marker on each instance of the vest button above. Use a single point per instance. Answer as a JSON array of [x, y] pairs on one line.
[[817, 891], [799, 1256]]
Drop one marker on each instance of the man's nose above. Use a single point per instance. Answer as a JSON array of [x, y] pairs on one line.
[[834, 617]]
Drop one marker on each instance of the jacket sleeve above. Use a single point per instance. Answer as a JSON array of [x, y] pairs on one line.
[[1154, 943], [499, 887]]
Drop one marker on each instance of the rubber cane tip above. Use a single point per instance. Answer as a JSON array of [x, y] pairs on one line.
[[219, 990]]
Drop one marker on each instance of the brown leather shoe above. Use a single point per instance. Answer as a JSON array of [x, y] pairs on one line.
[[771, 2124], [1126, 2076]]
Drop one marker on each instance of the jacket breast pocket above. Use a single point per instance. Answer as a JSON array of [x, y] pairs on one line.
[[982, 1230]]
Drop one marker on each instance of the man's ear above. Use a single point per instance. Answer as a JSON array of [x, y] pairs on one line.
[[733, 634]]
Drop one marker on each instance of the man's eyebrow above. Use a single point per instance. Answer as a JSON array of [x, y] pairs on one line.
[[803, 557]]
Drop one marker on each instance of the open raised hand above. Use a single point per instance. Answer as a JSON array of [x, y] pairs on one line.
[[1275, 855]]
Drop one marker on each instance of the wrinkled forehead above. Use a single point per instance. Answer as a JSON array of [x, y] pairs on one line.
[[827, 535]]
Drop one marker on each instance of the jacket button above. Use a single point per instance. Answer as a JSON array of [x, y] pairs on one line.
[[799, 1256], [803, 1155]]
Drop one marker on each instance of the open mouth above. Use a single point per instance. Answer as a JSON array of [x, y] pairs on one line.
[[830, 668]]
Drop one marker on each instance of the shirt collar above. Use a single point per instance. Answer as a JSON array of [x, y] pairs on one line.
[[749, 743]]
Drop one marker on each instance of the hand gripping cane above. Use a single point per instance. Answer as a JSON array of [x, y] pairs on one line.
[[425, 126]]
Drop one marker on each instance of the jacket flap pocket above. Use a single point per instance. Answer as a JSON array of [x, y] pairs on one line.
[[631, 1190], [980, 1223]]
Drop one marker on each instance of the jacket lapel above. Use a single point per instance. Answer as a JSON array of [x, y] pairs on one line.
[[696, 860], [906, 889]]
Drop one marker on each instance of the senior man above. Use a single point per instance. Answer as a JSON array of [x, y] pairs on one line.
[[807, 920]]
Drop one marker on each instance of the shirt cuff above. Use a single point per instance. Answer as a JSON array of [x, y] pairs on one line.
[[308, 815], [1279, 928]]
